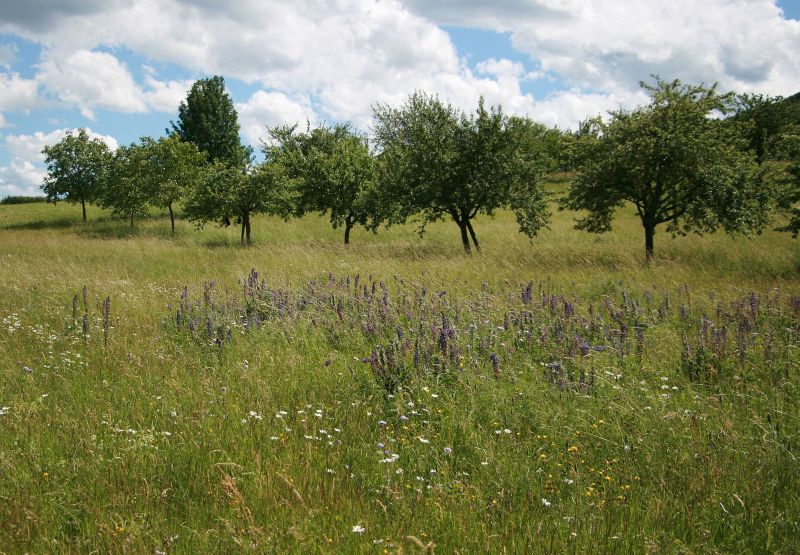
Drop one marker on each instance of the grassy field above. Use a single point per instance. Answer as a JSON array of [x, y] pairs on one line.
[[394, 396]]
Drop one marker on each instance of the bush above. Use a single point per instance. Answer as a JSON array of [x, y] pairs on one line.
[[22, 200]]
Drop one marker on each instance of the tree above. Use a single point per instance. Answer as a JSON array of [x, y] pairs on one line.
[[225, 194], [173, 168], [674, 162], [208, 119], [440, 163], [788, 183], [125, 190], [331, 170], [765, 120], [76, 168]]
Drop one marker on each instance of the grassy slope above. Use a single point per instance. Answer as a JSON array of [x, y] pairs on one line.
[[711, 467]]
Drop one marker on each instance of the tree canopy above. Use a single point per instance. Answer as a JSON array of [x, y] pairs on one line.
[[174, 168], [438, 162], [77, 167], [674, 161], [208, 119], [766, 120], [125, 190], [331, 170], [225, 194]]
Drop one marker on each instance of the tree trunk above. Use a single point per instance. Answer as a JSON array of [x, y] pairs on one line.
[[649, 232], [247, 220], [171, 217], [347, 227], [464, 237], [241, 238], [131, 219], [472, 234], [83, 205]]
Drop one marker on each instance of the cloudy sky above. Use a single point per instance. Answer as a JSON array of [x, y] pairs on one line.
[[121, 67]]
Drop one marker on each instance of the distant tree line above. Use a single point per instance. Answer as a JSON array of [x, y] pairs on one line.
[[19, 199], [694, 159]]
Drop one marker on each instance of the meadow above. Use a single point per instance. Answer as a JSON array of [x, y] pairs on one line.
[[186, 394]]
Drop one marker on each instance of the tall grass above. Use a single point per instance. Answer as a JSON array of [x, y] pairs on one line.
[[318, 417]]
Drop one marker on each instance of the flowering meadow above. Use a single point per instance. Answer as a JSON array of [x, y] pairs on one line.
[[185, 394]]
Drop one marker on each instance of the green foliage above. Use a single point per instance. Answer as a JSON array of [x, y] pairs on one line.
[[208, 119], [789, 196], [126, 191], [331, 171], [766, 120], [226, 193], [174, 167], [18, 199], [440, 163], [77, 167], [674, 162]]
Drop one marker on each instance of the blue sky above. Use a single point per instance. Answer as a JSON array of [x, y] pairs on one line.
[[121, 68]]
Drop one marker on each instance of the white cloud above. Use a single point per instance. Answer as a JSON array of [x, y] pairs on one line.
[[17, 93], [165, 96], [21, 177], [607, 45], [349, 54], [26, 171], [91, 80], [269, 109]]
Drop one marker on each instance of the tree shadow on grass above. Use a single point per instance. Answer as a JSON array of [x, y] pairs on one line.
[[57, 223]]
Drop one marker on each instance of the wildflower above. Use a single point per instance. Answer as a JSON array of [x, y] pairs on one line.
[[447, 450], [358, 529], [381, 423], [27, 369], [546, 503], [423, 440]]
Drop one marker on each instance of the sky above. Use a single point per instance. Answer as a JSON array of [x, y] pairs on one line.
[[120, 68]]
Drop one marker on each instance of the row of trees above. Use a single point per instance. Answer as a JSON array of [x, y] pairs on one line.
[[678, 161]]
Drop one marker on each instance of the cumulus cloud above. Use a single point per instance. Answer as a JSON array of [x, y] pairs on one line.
[[91, 80], [17, 93], [21, 177], [164, 96], [270, 109], [26, 171], [348, 55], [609, 45]]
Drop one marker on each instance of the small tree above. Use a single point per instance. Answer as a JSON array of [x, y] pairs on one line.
[[125, 190], [765, 120], [76, 169], [674, 162], [227, 194], [441, 163], [173, 168], [208, 119], [331, 170]]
